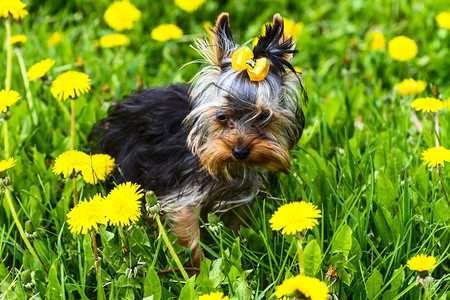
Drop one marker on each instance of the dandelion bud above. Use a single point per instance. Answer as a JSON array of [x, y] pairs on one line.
[[5, 182], [29, 230], [354, 44], [152, 205], [215, 225], [28, 279], [154, 210], [347, 59], [105, 88]]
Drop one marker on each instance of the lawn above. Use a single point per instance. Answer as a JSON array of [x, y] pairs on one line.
[[375, 166]]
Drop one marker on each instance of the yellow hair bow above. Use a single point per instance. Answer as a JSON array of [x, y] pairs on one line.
[[244, 59]]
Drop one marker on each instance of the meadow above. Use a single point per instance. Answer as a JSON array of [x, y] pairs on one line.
[[376, 167]]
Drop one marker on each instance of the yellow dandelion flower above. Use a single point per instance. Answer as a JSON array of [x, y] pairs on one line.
[[70, 84], [189, 5], [166, 32], [428, 104], [436, 156], [122, 204], [7, 164], [99, 167], [443, 20], [402, 48], [307, 287], [14, 7], [69, 162], [213, 296], [410, 86], [295, 217], [121, 15], [18, 39], [420, 86], [113, 40], [39, 69], [55, 39], [207, 26], [8, 98], [87, 215], [377, 40], [292, 29], [422, 262]]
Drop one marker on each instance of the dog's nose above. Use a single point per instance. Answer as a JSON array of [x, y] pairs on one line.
[[241, 152]]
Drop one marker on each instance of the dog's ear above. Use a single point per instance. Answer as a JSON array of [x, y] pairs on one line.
[[278, 22], [222, 39]]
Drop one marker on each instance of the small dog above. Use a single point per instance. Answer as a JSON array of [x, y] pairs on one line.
[[207, 147]]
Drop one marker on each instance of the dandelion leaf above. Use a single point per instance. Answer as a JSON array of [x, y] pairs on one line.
[[383, 222], [53, 288], [397, 279], [373, 284], [88, 253], [311, 258], [343, 241], [187, 292], [152, 285], [385, 190]]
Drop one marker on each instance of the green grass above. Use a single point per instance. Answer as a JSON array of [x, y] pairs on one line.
[[358, 160]]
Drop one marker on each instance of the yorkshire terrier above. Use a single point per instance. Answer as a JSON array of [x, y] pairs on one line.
[[207, 147]]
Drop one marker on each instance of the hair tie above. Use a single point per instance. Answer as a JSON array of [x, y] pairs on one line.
[[244, 59]]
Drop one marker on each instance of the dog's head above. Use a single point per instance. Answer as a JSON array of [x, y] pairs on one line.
[[246, 104]]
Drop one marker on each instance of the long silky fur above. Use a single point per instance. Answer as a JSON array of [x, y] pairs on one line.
[[145, 135]]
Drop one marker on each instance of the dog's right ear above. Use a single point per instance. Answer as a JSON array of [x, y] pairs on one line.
[[222, 39]]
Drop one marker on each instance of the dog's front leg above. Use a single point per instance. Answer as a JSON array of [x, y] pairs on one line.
[[185, 225]]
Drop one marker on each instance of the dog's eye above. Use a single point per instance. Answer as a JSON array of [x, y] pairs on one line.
[[221, 117], [265, 116]]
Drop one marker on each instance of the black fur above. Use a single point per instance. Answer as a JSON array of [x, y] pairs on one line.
[[145, 135], [269, 46]]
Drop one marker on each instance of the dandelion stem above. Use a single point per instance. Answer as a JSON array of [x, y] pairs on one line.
[[72, 124], [171, 250], [8, 54], [75, 191], [122, 238], [436, 128], [300, 254], [19, 226], [26, 83], [425, 286], [416, 121], [441, 180], [5, 138], [94, 247]]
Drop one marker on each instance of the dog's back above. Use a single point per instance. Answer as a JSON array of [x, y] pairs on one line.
[[144, 134]]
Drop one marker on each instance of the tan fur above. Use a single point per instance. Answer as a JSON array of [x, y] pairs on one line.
[[185, 225], [218, 48]]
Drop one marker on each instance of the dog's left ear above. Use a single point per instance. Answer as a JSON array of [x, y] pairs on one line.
[[279, 22], [222, 39]]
